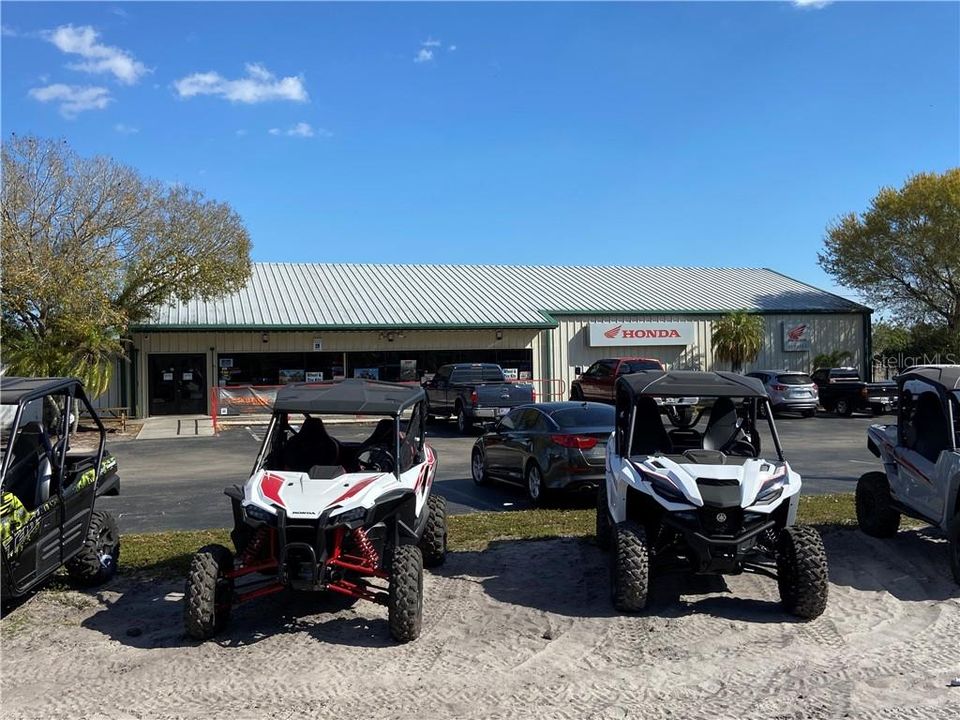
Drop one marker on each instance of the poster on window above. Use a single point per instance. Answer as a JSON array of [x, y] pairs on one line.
[[291, 376], [314, 377], [367, 373], [511, 373], [408, 370]]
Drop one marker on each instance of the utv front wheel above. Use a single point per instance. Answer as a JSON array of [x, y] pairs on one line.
[[433, 544], [953, 534], [876, 515], [604, 529], [405, 597], [208, 595], [97, 560], [802, 571], [629, 567]]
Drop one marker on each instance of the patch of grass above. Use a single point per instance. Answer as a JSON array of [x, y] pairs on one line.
[[168, 554]]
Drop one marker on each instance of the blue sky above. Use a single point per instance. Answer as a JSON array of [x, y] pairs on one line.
[[642, 133]]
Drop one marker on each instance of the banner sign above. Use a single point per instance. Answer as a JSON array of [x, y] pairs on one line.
[[609, 334], [796, 337], [245, 400]]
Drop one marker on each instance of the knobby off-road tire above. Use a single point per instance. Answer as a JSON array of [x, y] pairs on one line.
[[405, 598], [876, 515], [629, 567], [97, 560], [953, 535], [802, 571], [604, 526], [208, 594], [433, 544]]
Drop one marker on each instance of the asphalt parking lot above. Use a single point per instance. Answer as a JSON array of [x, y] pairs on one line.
[[177, 484]]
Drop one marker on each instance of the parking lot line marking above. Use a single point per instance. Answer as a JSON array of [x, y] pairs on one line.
[[252, 433]]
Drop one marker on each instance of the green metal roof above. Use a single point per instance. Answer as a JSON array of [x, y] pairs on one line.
[[295, 296]]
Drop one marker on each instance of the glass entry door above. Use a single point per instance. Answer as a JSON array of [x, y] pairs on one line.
[[177, 384]]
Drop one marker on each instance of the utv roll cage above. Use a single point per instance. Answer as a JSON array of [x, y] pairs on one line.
[[639, 428], [372, 398], [934, 421]]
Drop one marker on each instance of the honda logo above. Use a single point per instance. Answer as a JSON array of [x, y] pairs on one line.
[[640, 333]]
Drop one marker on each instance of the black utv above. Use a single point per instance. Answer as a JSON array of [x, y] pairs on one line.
[[49, 489]]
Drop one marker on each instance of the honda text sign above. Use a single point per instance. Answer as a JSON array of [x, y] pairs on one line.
[[796, 337], [608, 334]]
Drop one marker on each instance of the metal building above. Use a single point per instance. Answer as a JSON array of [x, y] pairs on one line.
[[310, 322]]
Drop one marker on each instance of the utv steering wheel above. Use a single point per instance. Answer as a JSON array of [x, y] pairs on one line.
[[375, 459]]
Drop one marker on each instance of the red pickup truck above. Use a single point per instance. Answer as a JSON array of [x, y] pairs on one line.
[[597, 381]]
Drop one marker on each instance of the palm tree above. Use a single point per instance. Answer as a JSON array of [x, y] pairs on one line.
[[738, 337]]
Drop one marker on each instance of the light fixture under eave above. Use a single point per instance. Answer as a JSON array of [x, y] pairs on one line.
[[390, 337], [265, 337], [499, 334]]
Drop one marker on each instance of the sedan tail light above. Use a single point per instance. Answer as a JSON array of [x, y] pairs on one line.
[[580, 442], [778, 388]]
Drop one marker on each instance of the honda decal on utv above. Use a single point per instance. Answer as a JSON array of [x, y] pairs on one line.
[[702, 500], [352, 518]]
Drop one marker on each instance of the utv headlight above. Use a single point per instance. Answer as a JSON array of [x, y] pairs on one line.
[[349, 516], [771, 490], [258, 513], [665, 489]]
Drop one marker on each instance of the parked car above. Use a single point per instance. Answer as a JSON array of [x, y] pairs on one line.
[[357, 520], [921, 461], [473, 392], [546, 448], [49, 490], [843, 392], [597, 381], [705, 499], [789, 391]]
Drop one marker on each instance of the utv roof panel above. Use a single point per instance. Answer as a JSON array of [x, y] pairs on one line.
[[349, 397], [948, 376], [691, 383], [14, 390]]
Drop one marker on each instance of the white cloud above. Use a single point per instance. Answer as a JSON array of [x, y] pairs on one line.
[[431, 43], [259, 85], [73, 99], [7, 31], [301, 129], [423, 56], [815, 4], [126, 129], [97, 58], [240, 133], [452, 48]]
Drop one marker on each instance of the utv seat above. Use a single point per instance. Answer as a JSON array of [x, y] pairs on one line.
[[931, 427], [383, 434], [723, 426], [30, 469], [311, 446], [649, 435]]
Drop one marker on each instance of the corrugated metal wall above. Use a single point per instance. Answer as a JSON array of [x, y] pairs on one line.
[[828, 332]]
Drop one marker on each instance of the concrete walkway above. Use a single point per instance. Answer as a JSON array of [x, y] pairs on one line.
[[173, 426]]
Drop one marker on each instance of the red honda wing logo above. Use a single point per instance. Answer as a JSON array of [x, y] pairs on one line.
[[613, 332], [797, 333]]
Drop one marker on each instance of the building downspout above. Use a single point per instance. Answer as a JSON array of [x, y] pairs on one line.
[[867, 346]]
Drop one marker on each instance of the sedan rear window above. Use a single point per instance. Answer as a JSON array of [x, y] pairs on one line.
[[599, 416], [794, 379]]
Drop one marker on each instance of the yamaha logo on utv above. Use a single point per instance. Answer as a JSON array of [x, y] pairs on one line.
[[356, 519]]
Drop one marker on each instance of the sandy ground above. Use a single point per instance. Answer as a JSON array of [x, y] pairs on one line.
[[522, 630]]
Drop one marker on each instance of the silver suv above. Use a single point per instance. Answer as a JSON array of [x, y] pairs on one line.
[[789, 391]]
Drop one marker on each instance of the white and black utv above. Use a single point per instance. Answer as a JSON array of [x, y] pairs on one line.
[[700, 497], [49, 488], [356, 519], [921, 461]]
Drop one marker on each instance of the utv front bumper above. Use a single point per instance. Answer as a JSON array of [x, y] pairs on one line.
[[719, 540]]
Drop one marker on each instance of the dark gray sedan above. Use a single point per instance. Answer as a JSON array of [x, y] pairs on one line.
[[546, 447]]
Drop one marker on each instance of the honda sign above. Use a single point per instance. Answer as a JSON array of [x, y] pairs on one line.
[[609, 334], [796, 337]]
